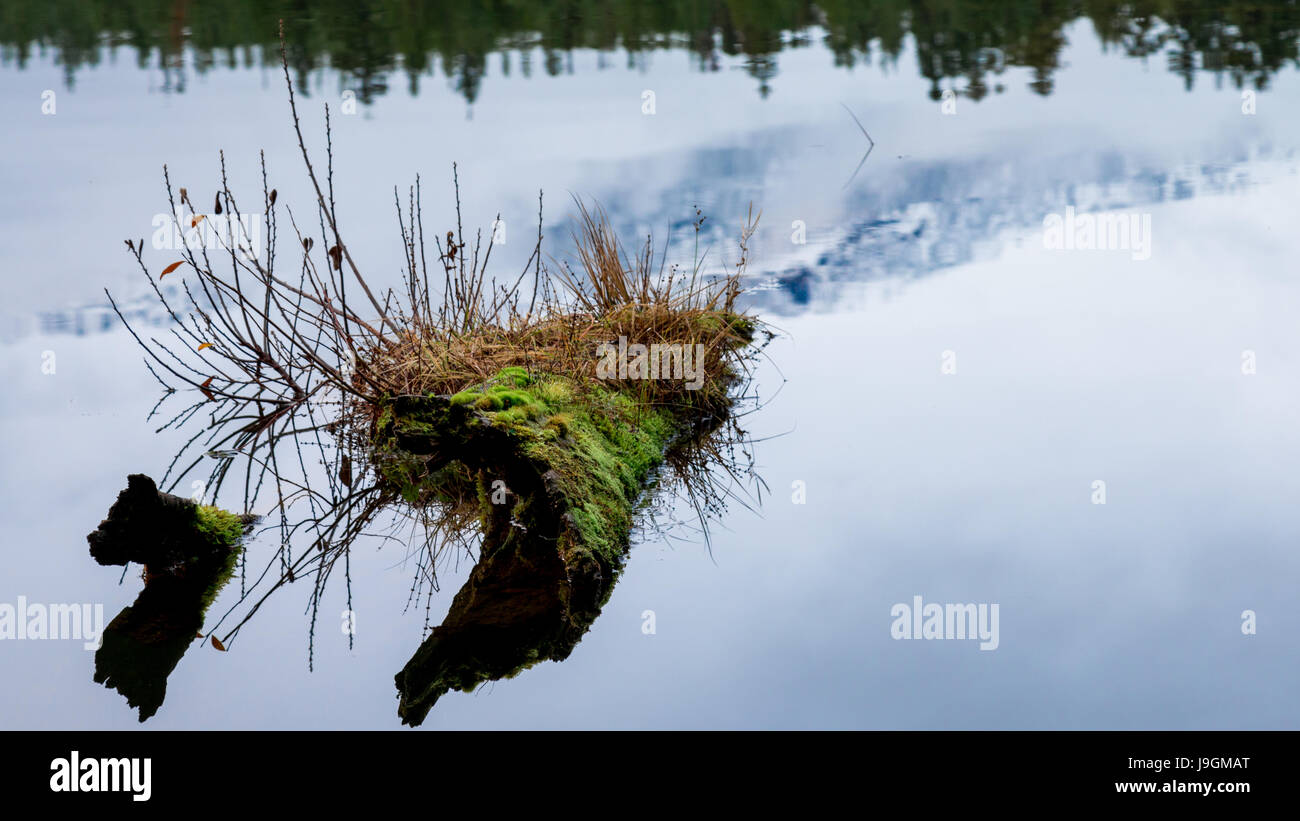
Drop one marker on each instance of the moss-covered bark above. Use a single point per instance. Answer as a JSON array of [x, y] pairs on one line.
[[557, 471], [189, 552]]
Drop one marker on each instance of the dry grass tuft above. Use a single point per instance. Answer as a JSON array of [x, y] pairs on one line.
[[612, 294]]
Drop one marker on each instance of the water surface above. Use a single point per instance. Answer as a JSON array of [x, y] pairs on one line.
[[973, 486]]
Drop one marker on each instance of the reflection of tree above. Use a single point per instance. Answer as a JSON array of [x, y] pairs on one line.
[[974, 39], [959, 42], [1245, 42]]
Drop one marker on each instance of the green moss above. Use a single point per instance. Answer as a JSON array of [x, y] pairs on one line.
[[743, 327], [224, 531], [510, 398], [219, 526], [559, 424], [516, 376], [554, 392], [223, 576], [598, 443], [510, 418], [601, 447]]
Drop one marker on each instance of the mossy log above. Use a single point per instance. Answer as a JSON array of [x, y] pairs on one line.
[[556, 475], [189, 552]]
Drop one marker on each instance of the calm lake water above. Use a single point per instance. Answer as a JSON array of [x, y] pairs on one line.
[[949, 387]]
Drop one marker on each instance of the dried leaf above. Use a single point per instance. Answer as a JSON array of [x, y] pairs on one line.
[[206, 392], [216, 206], [171, 268], [203, 345], [336, 257], [273, 196], [306, 244], [184, 195], [198, 635], [194, 221], [217, 644], [345, 470]]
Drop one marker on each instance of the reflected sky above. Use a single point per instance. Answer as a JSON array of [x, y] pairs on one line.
[[967, 487]]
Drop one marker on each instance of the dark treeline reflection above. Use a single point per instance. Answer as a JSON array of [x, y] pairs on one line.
[[962, 44]]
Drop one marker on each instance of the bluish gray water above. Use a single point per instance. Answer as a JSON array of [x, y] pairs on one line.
[[973, 486]]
